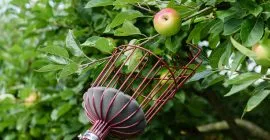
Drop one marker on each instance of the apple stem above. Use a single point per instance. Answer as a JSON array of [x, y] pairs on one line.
[[197, 13]]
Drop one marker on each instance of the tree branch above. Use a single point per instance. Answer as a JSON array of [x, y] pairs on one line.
[[143, 8], [148, 39], [252, 128], [197, 13], [98, 60], [224, 114]]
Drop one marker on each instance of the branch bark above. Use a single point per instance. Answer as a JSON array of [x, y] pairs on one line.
[[224, 114], [252, 128]]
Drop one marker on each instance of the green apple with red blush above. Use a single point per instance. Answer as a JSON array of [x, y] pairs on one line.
[[262, 51], [167, 22]]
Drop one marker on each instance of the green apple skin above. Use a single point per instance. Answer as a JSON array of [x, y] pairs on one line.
[[167, 22], [166, 78], [262, 51]]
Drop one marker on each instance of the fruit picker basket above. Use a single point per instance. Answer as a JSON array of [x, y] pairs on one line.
[[131, 89]]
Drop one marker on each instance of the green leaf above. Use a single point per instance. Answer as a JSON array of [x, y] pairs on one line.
[[223, 15], [251, 32], [200, 75], [264, 70], [60, 111], [224, 58], [208, 26], [239, 87], [233, 12], [103, 44], [123, 16], [217, 27], [215, 55], [25, 92], [213, 40], [133, 60], [195, 34], [55, 50], [183, 9], [50, 67], [173, 43], [251, 6], [181, 96], [67, 94], [256, 99], [72, 45], [266, 8], [98, 3], [244, 77], [237, 60], [231, 26], [23, 121], [127, 29], [58, 60], [243, 49], [169, 45], [83, 118], [68, 70], [212, 79]]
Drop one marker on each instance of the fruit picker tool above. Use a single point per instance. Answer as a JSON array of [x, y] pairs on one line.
[[129, 91]]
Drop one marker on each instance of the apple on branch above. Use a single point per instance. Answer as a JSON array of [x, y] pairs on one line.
[[167, 22], [262, 51]]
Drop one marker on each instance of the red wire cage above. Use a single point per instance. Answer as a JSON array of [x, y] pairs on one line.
[[131, 89]]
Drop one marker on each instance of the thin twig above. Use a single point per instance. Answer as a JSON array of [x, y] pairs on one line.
[[148, 6], [144, 35], [148, 39], [87, 56], [265, 78], [143, 39], [199, 19], [91, 63], [197, 13], [143, 8]]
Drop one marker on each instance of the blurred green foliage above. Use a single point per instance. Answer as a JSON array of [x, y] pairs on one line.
[[47, 50]]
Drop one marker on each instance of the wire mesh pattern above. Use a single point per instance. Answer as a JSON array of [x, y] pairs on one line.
[[134, 82]]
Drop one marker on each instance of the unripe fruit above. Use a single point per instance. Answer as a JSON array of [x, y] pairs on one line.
[[31, 99], [167, 22], [262, 51], [166, 78]]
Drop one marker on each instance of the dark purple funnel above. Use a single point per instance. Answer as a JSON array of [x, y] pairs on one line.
[[112, 112]]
